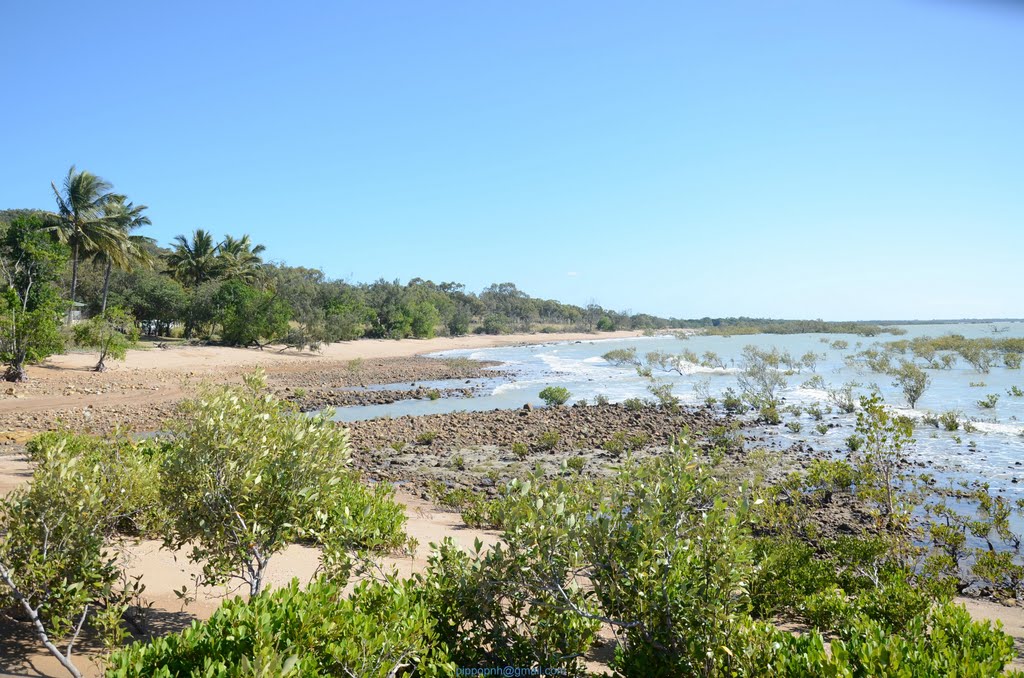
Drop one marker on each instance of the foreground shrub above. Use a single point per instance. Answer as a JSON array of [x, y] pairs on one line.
[[517, 603], [241, 474], [381, 630], [942, 641], [668, 556], [55, 564], [351, 517]]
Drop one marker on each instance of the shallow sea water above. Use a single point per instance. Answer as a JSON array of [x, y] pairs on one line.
[[991, 454]]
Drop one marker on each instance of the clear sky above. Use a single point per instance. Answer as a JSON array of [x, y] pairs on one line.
[[790, 159]]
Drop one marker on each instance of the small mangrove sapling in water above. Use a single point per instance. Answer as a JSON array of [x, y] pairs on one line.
[[554, 396]]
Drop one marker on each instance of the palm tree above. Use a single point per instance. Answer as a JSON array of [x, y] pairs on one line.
[[133, 252], [81, 219], [194, 262], [240, 259]]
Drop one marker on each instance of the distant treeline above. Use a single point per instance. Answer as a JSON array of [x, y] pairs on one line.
[[222, 288], [744, 325], [947, 321]]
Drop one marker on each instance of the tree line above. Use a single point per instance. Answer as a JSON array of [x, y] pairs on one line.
[[86, 258]]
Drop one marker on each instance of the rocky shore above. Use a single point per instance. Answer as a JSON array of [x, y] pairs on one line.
[[578, 427], [483, 450], [346, 385], [440, 456], [143, 400]]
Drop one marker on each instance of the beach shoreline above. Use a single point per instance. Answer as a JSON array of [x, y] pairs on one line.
[[144, 389]]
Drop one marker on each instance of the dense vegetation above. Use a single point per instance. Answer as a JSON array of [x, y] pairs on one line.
[[240, 476], [691, 563], [86, 257]]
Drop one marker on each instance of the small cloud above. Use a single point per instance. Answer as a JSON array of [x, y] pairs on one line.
[[572, 274]]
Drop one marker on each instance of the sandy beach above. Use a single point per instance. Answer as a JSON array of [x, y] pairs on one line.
[[142, 390], [191, 358]]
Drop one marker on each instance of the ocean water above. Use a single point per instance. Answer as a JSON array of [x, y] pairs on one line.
[[992, 453]]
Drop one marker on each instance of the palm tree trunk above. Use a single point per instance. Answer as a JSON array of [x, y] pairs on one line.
[[106, 286], [74, 280]]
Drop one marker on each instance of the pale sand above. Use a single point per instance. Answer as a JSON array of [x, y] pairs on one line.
[[193, 358], [143, 388]]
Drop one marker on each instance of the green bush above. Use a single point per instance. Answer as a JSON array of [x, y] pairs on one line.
[[242, 472], [912, 380], [55, 564], [726, 437], [480, 513], [943, 641], [843, 397], [664, 396], [548, 440], [989, 402], [622, 356], [516, 603], [112, 333], [949, 421], [494, 324], [634, 404], [679, 574], [824, 478], [760, 379], [555, 395], [353, 517], [576, 464], [616, 444], [248, 315], [787, 572], [381, 630], [732, 402]]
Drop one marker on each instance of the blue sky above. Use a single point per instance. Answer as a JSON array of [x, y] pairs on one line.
[[788, 159]]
